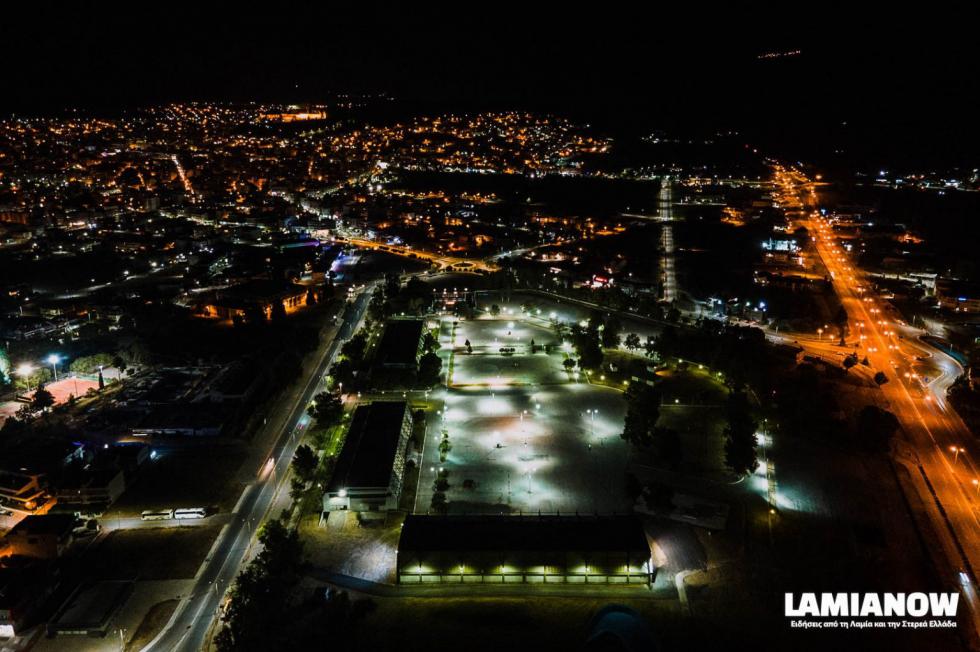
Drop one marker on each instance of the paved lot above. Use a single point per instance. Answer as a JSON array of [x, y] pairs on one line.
[[522, 439]]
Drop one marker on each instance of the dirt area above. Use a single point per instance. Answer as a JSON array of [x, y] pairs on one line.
[[152, 623], [343, 546], [151, 553], [198, 477]]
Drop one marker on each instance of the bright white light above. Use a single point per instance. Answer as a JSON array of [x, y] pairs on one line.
[[54, 358], [25, 370]]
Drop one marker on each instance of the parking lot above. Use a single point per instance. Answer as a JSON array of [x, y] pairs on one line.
[[525, 435]]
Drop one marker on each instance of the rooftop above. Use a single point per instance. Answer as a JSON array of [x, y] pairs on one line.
[[56, 524], [369, 450], [400, 343], [454, 533]]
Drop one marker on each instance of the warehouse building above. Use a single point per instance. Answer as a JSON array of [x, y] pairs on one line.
[[369, 473], [524, 549], [401, 345]]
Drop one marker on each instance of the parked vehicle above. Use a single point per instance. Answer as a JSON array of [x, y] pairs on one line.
[[161, 515], [190, 512]]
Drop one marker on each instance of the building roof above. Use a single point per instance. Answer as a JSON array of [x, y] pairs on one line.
[[47, 524], [92, 606], [370, 447], [255, 292], [455, 533], [400, 343]]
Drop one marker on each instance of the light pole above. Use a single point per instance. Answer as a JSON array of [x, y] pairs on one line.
[[25, 371], [976, 485], [53, 360], [956, 450]]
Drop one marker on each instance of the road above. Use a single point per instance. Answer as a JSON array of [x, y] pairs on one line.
[[195, 615], [450, 263], [944, 448]]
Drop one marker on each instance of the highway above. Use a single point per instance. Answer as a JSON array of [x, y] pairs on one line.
[[944, 449], [194, 617]]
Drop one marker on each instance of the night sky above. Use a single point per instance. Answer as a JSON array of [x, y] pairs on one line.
[[906, 85]]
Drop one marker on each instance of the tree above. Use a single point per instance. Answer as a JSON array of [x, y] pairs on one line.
[[668, 344], [494, 310], [327, 409], [417, 293], [740, 439], [36, 378], [380, 308], [25, 414], [305, 463], [260, 598], [354, 348], [880, 378], [850, 361], [342, 371], [568, 363], [42, 400], [875, 428], [639, 427], [560, 328], [439, 504], [650, 348], [430, 366], [632, 342], [586, 343], [296, 488], [611, 332], [430, 342], [91, 363]]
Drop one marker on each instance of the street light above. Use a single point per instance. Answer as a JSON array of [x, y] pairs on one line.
[[53, 360], [956, 450], [592, 413], [25, 371]]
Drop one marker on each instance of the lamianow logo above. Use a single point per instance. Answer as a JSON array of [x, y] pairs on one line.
[[871, 605]]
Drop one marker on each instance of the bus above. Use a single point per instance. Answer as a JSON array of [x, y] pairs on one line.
[[161, 515], [190, 512]]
